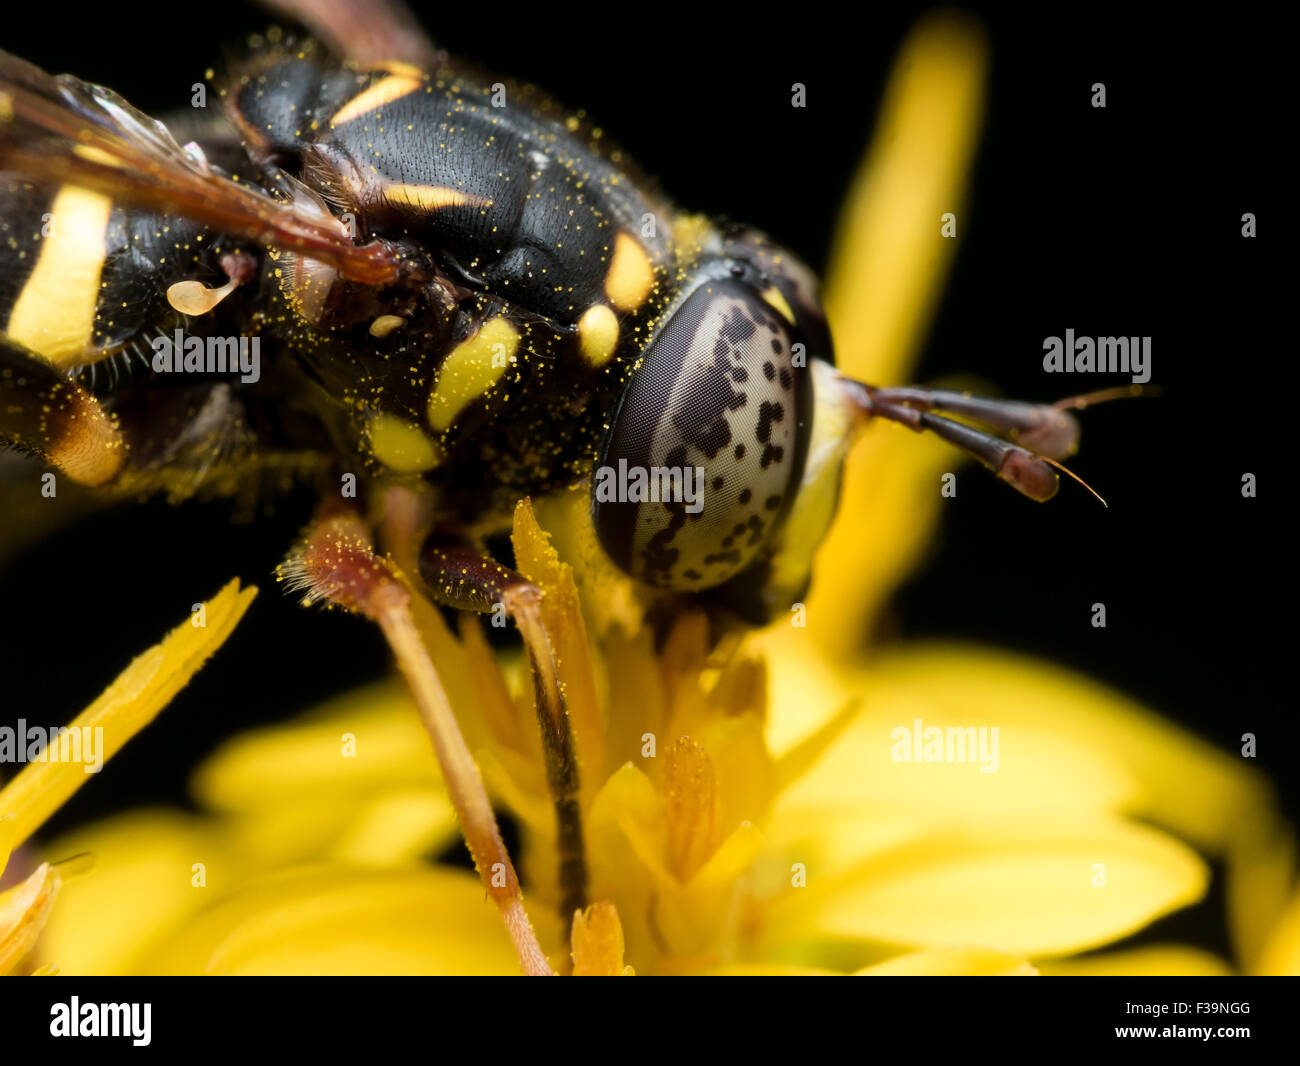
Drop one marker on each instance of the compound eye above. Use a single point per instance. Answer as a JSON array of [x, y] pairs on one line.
[[707, 446]]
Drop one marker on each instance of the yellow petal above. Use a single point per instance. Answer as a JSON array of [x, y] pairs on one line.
[[886, 271], [1031, 888], [399, 825], [129, 704], [23, 913], [364, 741], [759, 969], [1156, 960], [891, 257], [1261, 874], [1183, 783], [338, 920], [144, 881], [1028, 762], [952, 962], [1281, 953]]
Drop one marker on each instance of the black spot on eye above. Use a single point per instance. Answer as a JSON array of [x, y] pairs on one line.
[[717, 484], [786, 379], [740, 451], [745, 496], [772, 503], [738, 529], [768, 413], [738, 328], [771, 454], [728, 540], [692, 575], [739, 375], [720, 349], [769, 371], [776, 346], [755, 530]]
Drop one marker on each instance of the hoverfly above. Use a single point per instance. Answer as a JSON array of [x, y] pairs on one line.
[[465, 295]]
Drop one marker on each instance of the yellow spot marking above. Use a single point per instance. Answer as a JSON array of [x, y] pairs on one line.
[[598, 334], [55, 312], [401, 446], [778, 302], [472, 368], [376, 96], [385, 324], [431, 197], [630, 274]]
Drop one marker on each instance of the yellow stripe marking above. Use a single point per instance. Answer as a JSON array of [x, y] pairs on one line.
[[431, 197], [401, 446], [55, 312], [472, 368], [776, 300], [598, 334], [630, 274], [376, 96]]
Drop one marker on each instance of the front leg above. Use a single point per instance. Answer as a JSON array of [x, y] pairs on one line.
[[459, 575]]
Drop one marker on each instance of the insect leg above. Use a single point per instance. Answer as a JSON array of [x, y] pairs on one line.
[[335, 563], [460, 576], [48, 415]]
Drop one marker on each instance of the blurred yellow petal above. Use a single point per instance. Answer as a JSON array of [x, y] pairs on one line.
[[145, 877], [337, 920], [365, 740], [1280, 956], [1183, 783], [23, 913], [952, 962], [1260, 876], [886, 270], [1157, 960], [761, 969], [129, 704], [1031, 888], [398, 825], [890, 257], [1032, 767]]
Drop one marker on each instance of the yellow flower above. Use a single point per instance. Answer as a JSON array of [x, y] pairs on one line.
[[44, 784], [745, 808]]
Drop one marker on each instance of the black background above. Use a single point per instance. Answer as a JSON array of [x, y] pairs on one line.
[[1119, 221]]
